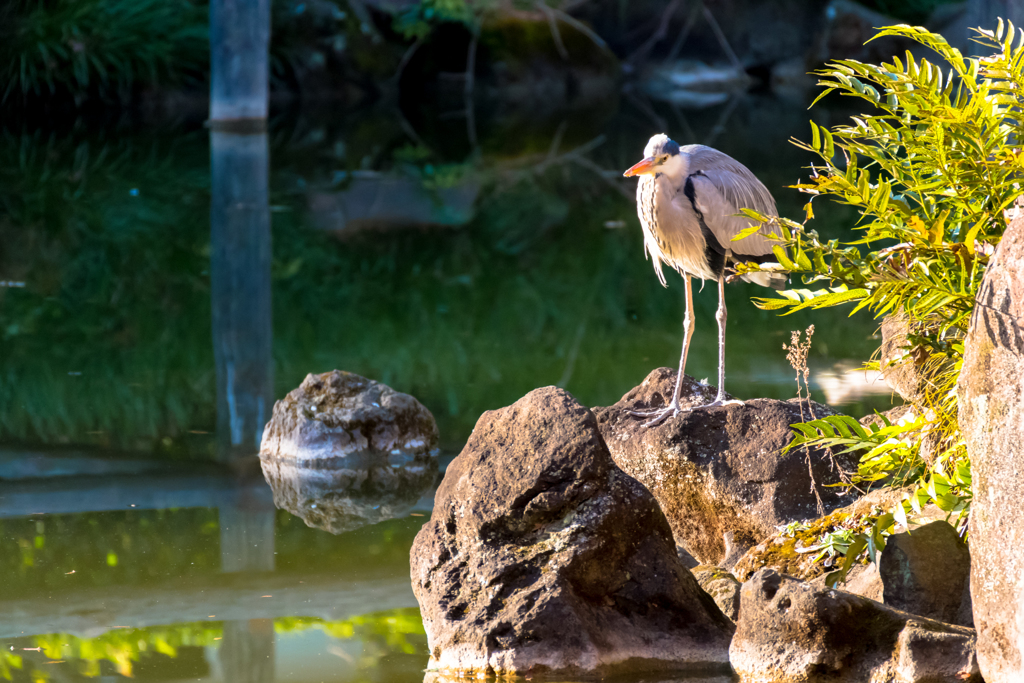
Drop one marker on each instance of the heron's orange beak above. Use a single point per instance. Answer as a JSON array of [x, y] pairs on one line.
[[644, 167]]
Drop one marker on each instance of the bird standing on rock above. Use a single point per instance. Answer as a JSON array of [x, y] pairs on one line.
[[688, 200]]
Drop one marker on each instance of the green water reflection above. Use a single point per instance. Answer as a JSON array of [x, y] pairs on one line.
[[109, 342], [55, 554]]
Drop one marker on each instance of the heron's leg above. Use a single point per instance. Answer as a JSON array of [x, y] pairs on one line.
[[721, 317], [673, 407], [688, 324]]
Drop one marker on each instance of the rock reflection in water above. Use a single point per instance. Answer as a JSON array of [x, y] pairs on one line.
[[364, 491]]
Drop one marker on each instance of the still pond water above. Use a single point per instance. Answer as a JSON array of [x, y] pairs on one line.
[[144, 336]]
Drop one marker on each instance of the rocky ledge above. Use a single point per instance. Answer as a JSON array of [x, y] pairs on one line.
[[722, 471], [542, 556]]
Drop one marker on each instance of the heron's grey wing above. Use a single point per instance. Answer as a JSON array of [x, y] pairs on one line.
[[722, 187]]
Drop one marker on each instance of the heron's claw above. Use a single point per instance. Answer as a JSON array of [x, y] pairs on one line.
[[657, 416]]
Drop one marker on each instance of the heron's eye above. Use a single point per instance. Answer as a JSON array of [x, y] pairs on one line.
[[663, 158]]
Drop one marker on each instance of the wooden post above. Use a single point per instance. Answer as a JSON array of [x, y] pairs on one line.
[[240, 258], [239, 63]]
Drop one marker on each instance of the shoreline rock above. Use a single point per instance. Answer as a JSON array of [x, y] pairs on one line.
[[992, 421], [542, 556], [791, 632], [927, 572]]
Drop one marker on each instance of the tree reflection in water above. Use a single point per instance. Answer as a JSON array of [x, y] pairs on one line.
[[183, 651]]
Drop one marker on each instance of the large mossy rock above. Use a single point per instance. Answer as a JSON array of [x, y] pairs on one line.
[[792, 632], [720, 470], [542, 556], [992, 421], [787, 550]]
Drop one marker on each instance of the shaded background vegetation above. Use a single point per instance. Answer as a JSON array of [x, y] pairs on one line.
[[109, 342], [105, 195]]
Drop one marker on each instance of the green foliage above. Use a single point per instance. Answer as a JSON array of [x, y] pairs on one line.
[[888, 452], [535, 290], [124, 650], [870, 540], [9, 663], [102, 45], [845, 541], [149, 546], [95, 225], [930, 171]]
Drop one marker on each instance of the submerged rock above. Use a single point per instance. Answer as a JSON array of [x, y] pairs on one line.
[[342, 451], [992, 421], [720, 470], [789, 631], [542, 556], [339, 419]]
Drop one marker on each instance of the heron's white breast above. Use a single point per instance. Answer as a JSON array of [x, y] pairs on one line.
[[671, 232]]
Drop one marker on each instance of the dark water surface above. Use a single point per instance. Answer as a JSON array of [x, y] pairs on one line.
[[462, 261]]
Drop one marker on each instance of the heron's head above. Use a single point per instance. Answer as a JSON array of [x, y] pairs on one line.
[[660, 156]]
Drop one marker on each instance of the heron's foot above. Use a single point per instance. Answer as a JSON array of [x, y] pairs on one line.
[[719, 401], [657, 416]]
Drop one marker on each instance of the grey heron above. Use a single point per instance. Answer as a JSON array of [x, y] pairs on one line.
[[688, 199]]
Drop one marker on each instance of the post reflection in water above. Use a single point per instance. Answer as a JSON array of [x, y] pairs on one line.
[[240, 289], [247, 651]]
